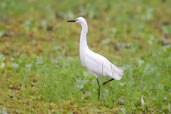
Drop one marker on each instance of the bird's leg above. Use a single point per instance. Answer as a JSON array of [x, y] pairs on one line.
[[98, 88], [107, 81]]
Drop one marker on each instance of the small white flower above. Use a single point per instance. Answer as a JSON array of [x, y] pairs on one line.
[[15, 65], [142, 101], [2, 65]]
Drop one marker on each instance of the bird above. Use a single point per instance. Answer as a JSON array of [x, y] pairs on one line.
[[97, 64]]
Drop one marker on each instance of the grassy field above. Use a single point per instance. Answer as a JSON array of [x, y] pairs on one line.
[[40, 70]]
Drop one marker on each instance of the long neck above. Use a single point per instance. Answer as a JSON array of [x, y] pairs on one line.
[[83, 39]]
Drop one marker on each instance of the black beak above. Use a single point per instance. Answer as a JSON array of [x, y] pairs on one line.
[[71, 21]]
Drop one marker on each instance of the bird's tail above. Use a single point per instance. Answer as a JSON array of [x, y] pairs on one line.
[[119, 73]]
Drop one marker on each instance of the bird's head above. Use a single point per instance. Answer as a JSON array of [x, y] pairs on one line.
[[82, 21]]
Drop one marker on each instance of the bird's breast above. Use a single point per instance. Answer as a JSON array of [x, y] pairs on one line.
[[82, 59]]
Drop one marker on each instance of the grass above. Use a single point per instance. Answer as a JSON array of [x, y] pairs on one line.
[[40, 70]]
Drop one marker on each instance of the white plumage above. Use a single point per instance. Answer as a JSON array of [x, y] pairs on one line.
[[95, 63], [100, 66]]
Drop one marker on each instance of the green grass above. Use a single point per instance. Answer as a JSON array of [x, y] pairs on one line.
[[40, 70]]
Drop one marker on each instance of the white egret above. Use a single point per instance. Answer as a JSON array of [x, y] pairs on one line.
[[97, 64]]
